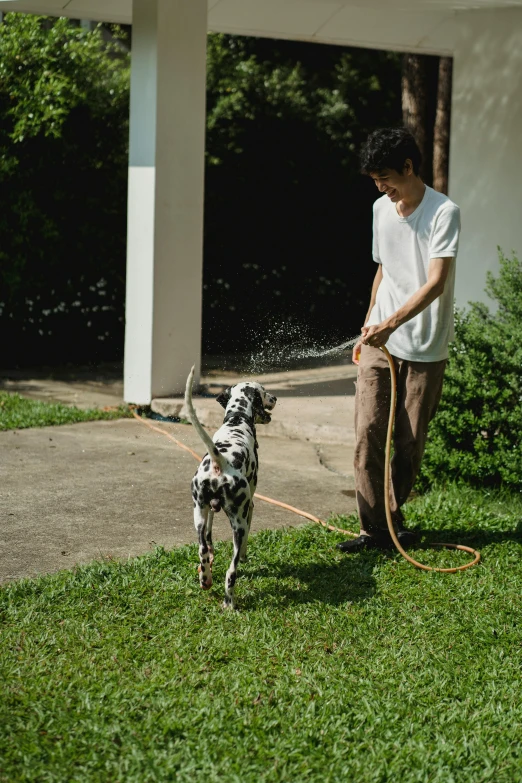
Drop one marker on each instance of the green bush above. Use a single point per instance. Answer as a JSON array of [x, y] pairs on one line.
[[63, 190], [475, 437]]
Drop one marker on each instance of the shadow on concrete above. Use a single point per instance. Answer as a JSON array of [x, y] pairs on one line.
[[100, 373], [335, 388]]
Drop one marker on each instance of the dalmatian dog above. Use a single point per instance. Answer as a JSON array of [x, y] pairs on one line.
[[227, 475]]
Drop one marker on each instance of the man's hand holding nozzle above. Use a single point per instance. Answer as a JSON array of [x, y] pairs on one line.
[[377, 335]]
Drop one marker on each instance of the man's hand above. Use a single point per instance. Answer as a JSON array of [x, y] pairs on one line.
[[377, 335]]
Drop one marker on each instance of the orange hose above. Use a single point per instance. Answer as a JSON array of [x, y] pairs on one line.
[[387, 488]]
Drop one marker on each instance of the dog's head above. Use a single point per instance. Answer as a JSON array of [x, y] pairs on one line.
[[250, 398]]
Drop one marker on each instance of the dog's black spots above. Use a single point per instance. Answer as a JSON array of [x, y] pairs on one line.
[[231, 581], [224, 397], [237, 462], [245, 511], [241, 484], [214, 484], [206, 462], [227, 490], [240, 499], [206, 494]]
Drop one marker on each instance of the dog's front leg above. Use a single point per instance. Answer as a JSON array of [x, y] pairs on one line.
[[205, 570]]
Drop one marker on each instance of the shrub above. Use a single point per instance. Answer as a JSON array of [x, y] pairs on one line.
[[63, 177], [475, 437]]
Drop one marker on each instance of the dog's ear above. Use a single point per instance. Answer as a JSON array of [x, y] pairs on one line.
[[261, 416], [224, 397]]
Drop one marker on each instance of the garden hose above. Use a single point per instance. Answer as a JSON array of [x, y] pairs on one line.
[[387, 488], [312, 518]]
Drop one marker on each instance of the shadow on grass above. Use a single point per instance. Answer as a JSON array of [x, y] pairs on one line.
[[476, 539], [349, 580]]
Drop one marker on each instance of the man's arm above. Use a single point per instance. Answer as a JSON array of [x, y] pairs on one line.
[[376, 283], [438, 270]]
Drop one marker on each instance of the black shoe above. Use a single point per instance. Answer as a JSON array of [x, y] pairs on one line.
[[408, 538], [358, 544]]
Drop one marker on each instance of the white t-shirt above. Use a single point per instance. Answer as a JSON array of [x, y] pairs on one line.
[[404, 247]]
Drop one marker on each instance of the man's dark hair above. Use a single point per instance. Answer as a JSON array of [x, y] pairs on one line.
[[389, 148]]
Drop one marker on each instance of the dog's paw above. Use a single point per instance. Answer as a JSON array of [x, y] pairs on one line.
[[205, 582], [229, 606]]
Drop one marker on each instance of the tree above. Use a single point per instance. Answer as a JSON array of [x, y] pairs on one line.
[[415, 105], [441, 133], [426, 107]]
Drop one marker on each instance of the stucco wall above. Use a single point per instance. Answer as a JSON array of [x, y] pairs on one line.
[[486, 144]]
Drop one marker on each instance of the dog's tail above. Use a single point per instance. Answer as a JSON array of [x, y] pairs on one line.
[[218, 460]]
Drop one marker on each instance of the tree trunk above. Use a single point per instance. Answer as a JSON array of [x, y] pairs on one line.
[[415, 107], [441, 131]]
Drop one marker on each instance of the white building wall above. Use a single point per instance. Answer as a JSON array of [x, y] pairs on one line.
[[486, 144]]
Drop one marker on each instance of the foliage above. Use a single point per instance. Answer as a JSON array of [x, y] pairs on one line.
[[334, 668], [288, 216], [18, 413], [475, 436], [63, 168]]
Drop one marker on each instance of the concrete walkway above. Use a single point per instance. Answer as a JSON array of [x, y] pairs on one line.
[[114, 489]]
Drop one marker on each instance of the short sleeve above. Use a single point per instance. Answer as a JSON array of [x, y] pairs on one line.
[[444, 240], [375, 241]]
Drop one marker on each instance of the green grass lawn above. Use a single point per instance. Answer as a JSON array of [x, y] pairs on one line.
[[17, 412], [335, 668]]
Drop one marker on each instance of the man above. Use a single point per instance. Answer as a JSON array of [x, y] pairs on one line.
[[415, 242]]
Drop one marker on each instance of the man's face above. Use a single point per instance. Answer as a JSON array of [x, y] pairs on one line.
[[392, 183]]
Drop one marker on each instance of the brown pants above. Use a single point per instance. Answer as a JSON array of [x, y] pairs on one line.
[[419, 388]]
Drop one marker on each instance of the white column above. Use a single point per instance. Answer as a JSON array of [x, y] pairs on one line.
[[165, 199], [486, 144]]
